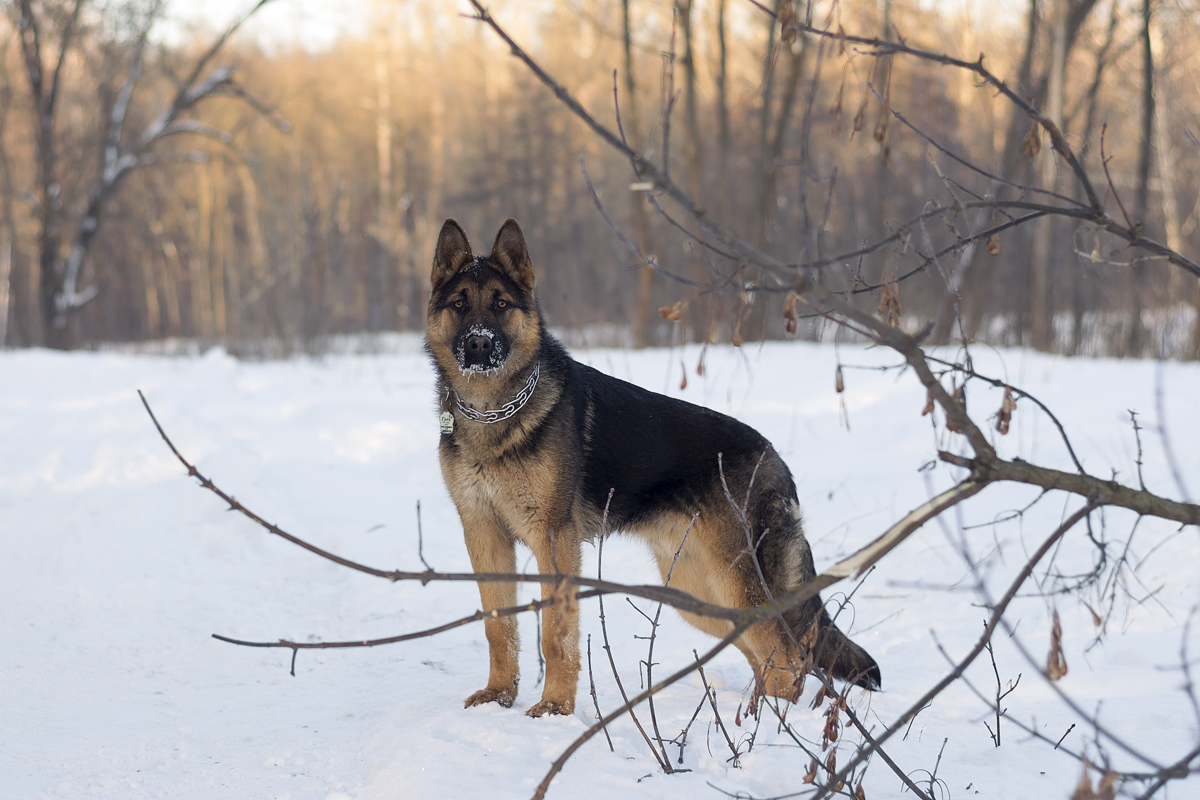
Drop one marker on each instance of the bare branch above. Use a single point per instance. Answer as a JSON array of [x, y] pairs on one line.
[[670, 680], [1110, 492]]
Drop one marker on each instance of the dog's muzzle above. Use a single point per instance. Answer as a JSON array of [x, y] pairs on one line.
[[480, 350]]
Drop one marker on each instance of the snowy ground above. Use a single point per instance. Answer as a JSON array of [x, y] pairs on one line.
[[115, 568]]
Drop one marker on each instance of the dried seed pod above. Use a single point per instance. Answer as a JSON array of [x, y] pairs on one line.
[[683, 369], [1083, 791], [960, 396], [811, 775], [889, 301], [1056, 663], [789, 311], [1007, 407], [1031, 145], [993, 244], [674, 311], [838, 382], [835, 110], [928, 409], [787, 18], [831, 762], [830, 734], [860, 118], [859, 794]]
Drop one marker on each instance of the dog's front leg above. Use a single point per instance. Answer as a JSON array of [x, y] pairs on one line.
[[492, 550], [559, 553]]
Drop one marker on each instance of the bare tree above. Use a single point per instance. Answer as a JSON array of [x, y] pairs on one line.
[[49, 38]]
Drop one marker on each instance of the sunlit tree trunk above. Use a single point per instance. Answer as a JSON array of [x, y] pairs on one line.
[[1135, 342], [385, 213], [722, 78], [1041, 310], [641, 221]]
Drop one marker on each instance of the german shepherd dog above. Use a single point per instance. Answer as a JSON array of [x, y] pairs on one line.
[[535, 446]]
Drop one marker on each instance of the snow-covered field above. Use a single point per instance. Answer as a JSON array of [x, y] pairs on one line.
[[115, 568]]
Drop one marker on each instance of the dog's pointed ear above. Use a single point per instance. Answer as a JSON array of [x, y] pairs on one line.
[[510, 255], [453, 250]]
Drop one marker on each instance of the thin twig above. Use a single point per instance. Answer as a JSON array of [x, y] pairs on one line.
[[670, 680], [663, 761], [654, 636], [711, 694], [596, 700]]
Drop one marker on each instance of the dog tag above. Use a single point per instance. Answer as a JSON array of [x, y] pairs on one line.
[[447, 420]]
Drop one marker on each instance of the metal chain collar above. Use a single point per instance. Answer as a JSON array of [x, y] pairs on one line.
[[508, 409]]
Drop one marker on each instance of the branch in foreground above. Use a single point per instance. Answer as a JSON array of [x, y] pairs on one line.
[[561, 761], [980, 646], [510, 611], [849, 567]]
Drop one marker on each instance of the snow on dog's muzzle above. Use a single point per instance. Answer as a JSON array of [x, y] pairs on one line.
[[480, 349]]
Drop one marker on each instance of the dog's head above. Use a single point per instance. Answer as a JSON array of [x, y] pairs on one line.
[[483, 313]]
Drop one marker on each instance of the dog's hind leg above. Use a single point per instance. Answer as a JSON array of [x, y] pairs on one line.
[[714, 566], [492, 550]]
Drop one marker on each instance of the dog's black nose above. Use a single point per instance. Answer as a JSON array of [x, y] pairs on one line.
[[479, 345]]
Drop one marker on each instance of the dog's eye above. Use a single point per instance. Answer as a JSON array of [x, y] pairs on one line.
[[459, 303], [501, 304]]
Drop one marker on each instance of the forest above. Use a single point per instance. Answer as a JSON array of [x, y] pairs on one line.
[[268, 198], [946, 197]]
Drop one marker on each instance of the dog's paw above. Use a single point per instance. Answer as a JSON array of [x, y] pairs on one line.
[[544, 706], [504, 697]]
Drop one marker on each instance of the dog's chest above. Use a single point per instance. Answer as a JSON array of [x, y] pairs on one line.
[[523, 492]]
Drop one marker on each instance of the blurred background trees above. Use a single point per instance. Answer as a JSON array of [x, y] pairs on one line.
[[242, 228]]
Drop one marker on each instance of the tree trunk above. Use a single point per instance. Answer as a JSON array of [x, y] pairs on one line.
[[763, 172], [8, 228], [1193, 351], [976, 279], [641, 221], [692, 148], [1078, 301], [200, 280], [1041, 321], [1136, 340], [225, 254], [1181, 287], [723, 150], [385, 217], [884, 73]]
